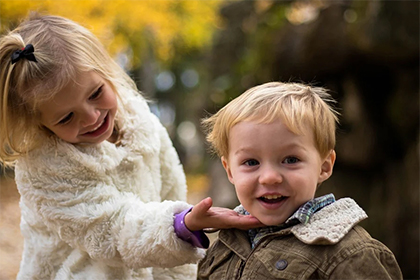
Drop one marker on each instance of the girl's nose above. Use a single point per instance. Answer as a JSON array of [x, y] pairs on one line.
[[270, 175], [90, 116]]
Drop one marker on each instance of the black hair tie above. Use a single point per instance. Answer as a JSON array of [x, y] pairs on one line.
[[26, 52]]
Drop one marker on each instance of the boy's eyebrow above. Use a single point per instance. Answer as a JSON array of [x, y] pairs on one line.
[[285, 147], [242, 150]]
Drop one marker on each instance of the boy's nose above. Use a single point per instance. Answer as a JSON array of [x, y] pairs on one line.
[[270, 175]]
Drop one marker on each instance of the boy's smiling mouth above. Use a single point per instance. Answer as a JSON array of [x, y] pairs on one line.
[[269, 198]]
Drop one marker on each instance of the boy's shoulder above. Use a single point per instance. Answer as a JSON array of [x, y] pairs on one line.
[[330, 224], [330, 245]]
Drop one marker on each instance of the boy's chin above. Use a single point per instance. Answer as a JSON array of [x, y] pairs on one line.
[[271, 222]]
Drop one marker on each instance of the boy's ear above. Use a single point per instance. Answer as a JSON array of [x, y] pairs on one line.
[[327, 167], [227, 169]]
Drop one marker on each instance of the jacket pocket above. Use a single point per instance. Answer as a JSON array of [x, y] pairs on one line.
[[284, 265], [215, 264]]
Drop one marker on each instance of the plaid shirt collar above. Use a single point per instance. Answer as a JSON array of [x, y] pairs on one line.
[[302, 215]]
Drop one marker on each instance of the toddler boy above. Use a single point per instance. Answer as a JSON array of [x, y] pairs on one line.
[[276, 142]]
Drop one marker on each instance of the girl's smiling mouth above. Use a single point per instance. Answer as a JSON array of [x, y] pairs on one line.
[[99, 129]]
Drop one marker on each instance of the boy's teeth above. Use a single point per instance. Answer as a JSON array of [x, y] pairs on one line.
[[272, 196]]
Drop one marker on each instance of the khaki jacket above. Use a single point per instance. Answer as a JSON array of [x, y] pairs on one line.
[[330, 246]]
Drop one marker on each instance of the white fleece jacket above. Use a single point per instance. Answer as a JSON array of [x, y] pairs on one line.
[[105, 211]]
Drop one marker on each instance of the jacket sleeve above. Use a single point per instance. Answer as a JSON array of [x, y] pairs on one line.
[[95, 217], [370, 262]]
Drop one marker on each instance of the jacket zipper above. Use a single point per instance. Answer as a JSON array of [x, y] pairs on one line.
[[240, 270], [242, 265]]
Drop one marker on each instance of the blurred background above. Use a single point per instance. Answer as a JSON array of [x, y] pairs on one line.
[[192, 57]]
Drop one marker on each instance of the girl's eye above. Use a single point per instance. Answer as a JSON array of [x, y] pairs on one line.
[[251, 162], [291, 160], [96, 94], [66, 119]]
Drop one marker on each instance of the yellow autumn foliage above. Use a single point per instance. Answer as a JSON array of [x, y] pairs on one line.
[[129, 24]]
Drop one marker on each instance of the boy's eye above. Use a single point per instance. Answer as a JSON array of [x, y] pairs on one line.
[[66, 119], [291, 160], [251, 162], [96, 94]]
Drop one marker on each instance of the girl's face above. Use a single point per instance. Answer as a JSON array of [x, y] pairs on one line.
[[83, 111], [274, 170]]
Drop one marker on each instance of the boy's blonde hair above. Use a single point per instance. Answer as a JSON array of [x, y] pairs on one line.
[[63, 49], [297, 105]]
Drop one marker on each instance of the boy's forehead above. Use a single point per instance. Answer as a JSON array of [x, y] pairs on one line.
[[297, 127], [303, 129], [248, 136]]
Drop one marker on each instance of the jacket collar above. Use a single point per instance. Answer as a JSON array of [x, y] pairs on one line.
[[338, 218], [326, 227]]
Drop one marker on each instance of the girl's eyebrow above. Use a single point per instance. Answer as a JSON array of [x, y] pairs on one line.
[[94, 88]]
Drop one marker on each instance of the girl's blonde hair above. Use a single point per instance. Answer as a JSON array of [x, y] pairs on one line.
[[63, 49], [297, 105]]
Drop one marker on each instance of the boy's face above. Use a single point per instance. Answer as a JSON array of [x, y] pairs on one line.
[[274, 170], [83, 111]]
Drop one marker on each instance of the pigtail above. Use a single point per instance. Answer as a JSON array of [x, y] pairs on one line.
[[15, 114], [8, 45]]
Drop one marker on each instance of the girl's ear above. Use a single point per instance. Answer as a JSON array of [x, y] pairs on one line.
[[327, 167], [227, 169]]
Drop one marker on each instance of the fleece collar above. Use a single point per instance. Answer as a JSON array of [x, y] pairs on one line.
[[330, 224]]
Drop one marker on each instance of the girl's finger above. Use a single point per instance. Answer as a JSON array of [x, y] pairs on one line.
[[203, 206]]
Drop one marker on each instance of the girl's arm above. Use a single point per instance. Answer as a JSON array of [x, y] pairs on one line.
[[94, 216]]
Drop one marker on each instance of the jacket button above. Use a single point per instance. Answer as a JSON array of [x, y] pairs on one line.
[[281, 264]]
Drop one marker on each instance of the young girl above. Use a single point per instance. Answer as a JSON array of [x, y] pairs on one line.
[[101, 185]]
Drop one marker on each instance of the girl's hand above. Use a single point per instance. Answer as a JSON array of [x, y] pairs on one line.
[[204, 216]]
